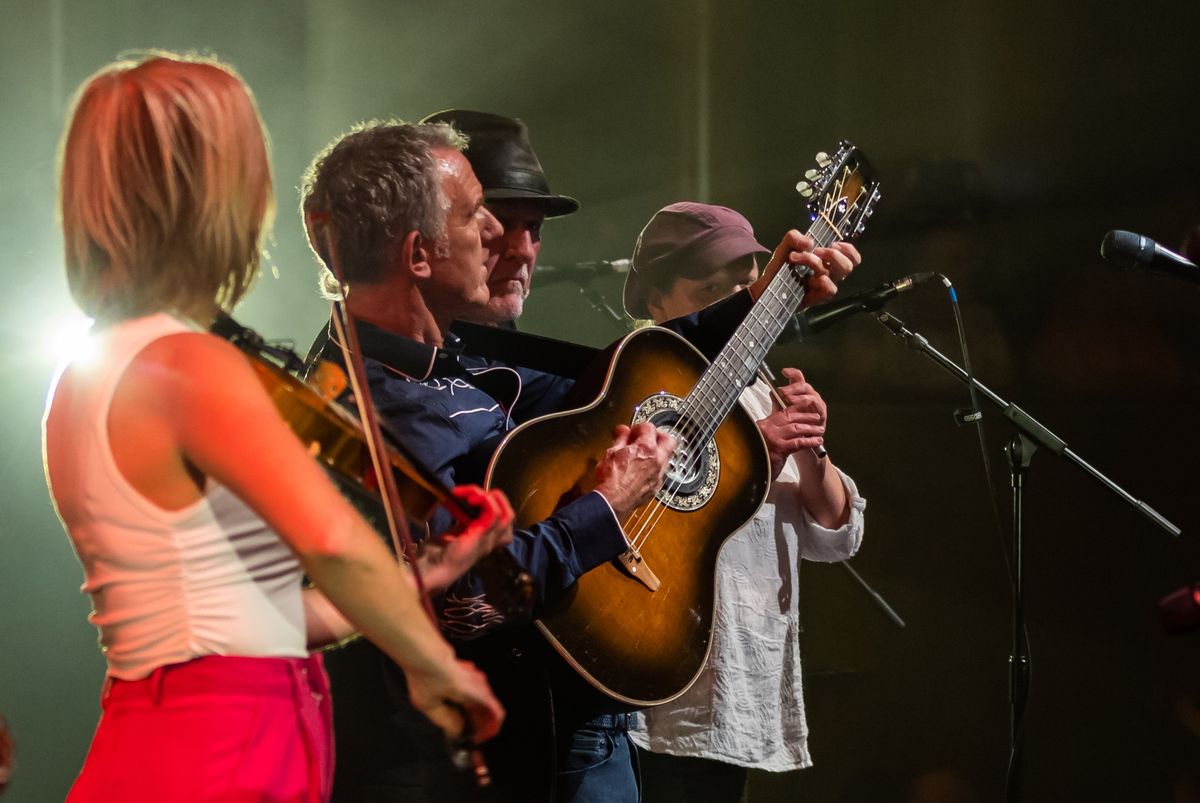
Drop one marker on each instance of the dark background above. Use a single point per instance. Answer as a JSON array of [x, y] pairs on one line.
[[1009, 137]]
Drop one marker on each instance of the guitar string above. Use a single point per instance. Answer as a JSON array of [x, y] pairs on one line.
[[637, 522], [697, 436], [701, 425], [707, 419], [642, 528], [762, 328], [758, 328]]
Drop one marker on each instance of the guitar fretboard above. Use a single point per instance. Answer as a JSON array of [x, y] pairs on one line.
[[721, 384], [719, 387]]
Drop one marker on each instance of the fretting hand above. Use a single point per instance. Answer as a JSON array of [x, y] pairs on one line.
[[799, 425], [829, 265]]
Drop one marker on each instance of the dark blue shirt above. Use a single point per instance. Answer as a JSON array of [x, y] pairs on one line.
[[451, 410]]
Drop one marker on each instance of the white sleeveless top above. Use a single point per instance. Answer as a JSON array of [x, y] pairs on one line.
[[168, 586]]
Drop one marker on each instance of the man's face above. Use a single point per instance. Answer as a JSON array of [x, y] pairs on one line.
[[511, 257], [459, 262], [685, 296]]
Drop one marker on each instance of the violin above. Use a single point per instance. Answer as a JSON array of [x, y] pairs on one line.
[[336, 440]]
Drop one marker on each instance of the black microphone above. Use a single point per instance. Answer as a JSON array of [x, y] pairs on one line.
[[1125, 249], [824, 315], [581, 270]]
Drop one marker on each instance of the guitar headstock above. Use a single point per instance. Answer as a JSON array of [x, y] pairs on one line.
[[840, 193]]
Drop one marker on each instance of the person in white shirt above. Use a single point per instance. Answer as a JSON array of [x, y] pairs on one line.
[[746, 710]]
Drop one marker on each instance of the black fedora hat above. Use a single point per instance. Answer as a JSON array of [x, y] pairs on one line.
[[503, 160]]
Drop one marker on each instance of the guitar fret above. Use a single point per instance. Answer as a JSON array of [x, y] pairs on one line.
[[721, 384], [731, 371]]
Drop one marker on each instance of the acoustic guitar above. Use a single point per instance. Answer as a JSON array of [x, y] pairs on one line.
[[639, 628]]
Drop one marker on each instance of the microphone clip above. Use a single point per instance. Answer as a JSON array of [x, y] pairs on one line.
[[967, 415]]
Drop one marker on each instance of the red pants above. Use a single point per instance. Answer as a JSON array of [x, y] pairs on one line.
[[214, 729]]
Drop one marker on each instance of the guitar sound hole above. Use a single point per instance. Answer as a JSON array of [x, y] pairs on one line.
[[686, 471], [694, 468]]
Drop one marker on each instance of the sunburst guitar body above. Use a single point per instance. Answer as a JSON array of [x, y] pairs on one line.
[[639, 628]]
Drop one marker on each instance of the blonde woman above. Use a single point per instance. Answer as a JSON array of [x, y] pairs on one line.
[[193, 509]]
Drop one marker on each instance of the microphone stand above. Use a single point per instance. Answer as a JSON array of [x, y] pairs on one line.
[[582, 276], [1032, 428], [1020, 451], [599, 302], [874, 595]]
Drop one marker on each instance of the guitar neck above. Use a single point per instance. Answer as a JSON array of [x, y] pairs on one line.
[[737, 363]]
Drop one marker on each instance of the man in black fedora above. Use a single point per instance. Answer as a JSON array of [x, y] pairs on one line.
[[516, 191]]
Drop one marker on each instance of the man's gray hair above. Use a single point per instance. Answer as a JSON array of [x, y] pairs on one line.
[[370, 187]]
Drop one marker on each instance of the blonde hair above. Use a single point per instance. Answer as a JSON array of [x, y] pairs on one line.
[[165, 187]]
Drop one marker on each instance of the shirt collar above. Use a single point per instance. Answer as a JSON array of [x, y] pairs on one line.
[[414, 360]]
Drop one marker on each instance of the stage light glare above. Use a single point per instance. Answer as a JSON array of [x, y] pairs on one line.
[[69, 340]]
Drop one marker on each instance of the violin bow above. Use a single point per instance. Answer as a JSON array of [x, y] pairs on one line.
[[464, 753]]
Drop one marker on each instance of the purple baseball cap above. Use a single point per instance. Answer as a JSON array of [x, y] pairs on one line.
[[685, 239]]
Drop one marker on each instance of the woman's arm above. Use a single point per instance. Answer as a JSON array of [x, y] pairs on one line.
[[324, 624], [225, 426]]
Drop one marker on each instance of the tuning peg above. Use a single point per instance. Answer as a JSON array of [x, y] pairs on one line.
[[811, 174], [803, 186], [806, 193], [823, 159]]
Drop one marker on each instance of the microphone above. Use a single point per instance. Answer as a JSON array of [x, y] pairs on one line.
[[1125, 249], [824, 315], [585, 271]]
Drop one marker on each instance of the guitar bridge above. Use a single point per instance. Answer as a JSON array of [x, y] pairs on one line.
[[637, 567]]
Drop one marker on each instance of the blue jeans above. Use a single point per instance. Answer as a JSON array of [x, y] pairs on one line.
[[599, 763]]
